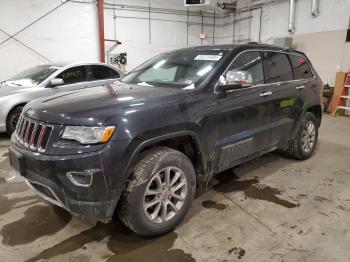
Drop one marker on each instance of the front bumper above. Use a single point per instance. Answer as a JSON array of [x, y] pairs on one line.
[[47, 176]]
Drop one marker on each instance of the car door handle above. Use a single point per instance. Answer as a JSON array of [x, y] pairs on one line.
[[300, 87], [268, 93]]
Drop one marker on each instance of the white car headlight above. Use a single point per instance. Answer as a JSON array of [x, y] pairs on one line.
[[88, 135]]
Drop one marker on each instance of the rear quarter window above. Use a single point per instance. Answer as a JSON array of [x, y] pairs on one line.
[[300, 67], [277, 67]]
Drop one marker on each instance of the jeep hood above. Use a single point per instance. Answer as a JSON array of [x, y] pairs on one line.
[[92, 106]]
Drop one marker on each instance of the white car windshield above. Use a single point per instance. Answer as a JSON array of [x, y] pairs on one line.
[[32, 76], [179, 69]]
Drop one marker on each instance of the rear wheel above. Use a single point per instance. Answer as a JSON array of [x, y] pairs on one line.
[[304, 144], [12, 119], [159, 193]]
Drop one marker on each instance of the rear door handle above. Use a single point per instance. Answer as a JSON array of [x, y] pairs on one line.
[[268, 93], [300, 87]]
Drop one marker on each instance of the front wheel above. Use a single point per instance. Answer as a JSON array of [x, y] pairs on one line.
[[12, 119], [160, 192], [304, 144]]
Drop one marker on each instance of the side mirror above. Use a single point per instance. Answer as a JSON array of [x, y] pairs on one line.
[[56, 82], [234, 80]]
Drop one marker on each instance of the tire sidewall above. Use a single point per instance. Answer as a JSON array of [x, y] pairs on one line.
[[10, 117], [306, 118], [141, 223]]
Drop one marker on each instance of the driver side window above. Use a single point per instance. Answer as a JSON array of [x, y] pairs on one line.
[[251, 62], [74, 75]]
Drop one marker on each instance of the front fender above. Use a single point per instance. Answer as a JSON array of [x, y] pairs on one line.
[[137, 145]]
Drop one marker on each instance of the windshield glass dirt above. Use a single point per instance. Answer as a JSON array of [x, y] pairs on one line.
[[181, 69]]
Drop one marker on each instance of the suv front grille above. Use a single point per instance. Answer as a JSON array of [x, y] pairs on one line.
[[32, 134]]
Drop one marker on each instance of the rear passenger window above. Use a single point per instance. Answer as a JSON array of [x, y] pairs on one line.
[[74, 75], [300, 67], [277, 67], [100, 72], [251, 62]]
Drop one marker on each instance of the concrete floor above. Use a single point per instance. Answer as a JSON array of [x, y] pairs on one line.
[[270, 209]]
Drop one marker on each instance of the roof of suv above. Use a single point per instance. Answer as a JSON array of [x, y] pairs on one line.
[[248, 45]]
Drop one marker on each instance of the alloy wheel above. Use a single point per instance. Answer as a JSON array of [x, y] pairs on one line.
[[308, 136], [165, 194]]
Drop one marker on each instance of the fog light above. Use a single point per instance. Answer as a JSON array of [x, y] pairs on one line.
[[82, 179]]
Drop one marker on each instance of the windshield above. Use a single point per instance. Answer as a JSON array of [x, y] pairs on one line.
[[32, 76], [180, 69]]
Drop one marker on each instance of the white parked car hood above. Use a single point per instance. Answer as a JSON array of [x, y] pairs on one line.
[[7, 90]]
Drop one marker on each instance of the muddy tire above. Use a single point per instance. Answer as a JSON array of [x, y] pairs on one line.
[[159, 193], [12, 119], [305, 141]]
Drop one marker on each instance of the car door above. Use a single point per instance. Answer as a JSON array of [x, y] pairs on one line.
[[74, 78], [101, 75], [239, 120], [286, 105]]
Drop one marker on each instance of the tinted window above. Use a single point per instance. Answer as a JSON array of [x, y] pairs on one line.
[[251, 62], [73, 75], [99, 72], [300, 67], [114, 74], [277, 67]]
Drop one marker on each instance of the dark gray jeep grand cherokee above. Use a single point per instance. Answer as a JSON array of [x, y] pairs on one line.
[[138, 148]]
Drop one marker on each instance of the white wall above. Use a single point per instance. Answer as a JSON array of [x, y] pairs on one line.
[[334, 15], [71, 32], [321, 38], [142, 40], [68, 34]]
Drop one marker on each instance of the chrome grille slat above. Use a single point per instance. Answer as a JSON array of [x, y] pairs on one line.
[[33, 134], [32, 144], [19, 124], [23, 130]]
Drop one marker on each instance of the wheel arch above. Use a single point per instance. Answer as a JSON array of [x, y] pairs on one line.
[[19, 104], [186, 142], [315, 109]]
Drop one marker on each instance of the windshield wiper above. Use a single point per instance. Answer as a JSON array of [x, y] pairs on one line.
[[12, 83]]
